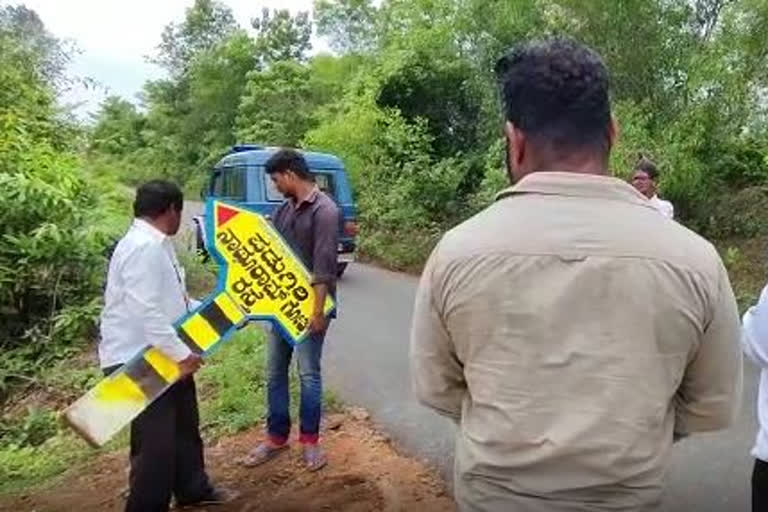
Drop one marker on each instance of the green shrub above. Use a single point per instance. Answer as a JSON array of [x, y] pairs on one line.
[[33, 429], [737, 214]]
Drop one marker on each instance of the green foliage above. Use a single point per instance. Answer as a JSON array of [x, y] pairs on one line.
[[26, 466], [45, 55], [411, 105], [276, 107], [395, 170], [33, 429], [282, 37], [233, 383], [206, 24], [118, 128], [739, 214], [350, 24], [444, 93], [50, 257], [53, 219]]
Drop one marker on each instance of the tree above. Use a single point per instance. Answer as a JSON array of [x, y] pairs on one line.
[[443, 93], [276, 105], [46, 54], [350, 24], [205, 24], [117, 127], [282, 37], [217, 82], [51, 216]]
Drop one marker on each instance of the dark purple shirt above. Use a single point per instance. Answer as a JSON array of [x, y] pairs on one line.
[[311, 228]]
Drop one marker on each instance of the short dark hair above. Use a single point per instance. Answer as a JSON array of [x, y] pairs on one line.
[[648, 167], [285, 160], [155, 197], [556, 91]]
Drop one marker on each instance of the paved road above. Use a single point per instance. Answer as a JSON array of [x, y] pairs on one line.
[[366, 363]]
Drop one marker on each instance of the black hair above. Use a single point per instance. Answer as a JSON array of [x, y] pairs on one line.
[[155, 197], [556, 91], [648, 167], [289, 160]]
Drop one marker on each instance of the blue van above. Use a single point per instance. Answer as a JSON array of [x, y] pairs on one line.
[[239, 176]]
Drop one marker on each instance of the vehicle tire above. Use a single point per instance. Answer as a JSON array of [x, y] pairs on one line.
[[340, 269]]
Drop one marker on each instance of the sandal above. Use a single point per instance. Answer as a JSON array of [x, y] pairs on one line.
[[314, 457], [261, 454]]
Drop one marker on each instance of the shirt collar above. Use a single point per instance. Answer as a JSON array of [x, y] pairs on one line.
[[572, 184], [311, 198], [146, 227]]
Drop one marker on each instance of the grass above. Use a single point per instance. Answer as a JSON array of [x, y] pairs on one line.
[[232, 385]]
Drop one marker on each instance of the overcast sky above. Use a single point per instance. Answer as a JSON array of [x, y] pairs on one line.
[[114, 36]]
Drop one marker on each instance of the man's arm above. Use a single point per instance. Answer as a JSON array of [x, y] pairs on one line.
[[710, 394], [437, 375], [145, 290], [324, 262]]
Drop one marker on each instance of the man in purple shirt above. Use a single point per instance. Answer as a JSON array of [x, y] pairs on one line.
[[309, 221]]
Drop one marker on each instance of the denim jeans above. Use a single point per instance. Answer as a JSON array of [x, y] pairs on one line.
[[308, 353]]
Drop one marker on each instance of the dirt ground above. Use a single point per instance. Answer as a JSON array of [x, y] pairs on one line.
[[364, 473]]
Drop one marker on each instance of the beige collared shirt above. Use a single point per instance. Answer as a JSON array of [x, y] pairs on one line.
[[570, 329]]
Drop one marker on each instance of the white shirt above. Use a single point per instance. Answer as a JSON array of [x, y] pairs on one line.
[[665, 207], [755, 344], [145, 295]]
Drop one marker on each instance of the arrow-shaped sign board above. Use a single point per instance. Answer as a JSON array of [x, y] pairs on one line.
[[260, 278]]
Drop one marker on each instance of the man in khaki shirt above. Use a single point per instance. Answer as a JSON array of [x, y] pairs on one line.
[[569, 329]]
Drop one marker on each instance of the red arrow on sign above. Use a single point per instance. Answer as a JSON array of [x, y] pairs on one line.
[[223, 214]]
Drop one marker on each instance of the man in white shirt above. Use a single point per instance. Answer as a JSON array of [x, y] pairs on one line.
[[145, 294], [645, 180], [755, 344]]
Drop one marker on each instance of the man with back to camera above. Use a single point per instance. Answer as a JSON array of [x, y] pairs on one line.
[[568, 329], [145, 294]]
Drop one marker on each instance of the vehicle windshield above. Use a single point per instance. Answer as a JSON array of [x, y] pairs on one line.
[[229, 183]]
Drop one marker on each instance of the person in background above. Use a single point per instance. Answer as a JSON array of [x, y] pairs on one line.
[[309, 221], [755, 343], [144, 296], [645, 180], [569, 330]]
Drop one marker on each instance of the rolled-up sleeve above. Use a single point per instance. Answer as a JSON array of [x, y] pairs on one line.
[[326, 242], [709, 397], [437, 375]]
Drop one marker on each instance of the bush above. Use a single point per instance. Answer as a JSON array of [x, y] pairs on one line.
[[31, 430], [738, 214], [54, 227]]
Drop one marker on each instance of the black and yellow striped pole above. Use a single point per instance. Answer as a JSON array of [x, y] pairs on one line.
[[260, 278]]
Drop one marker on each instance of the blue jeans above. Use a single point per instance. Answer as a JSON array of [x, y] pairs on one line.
[[308, 353]]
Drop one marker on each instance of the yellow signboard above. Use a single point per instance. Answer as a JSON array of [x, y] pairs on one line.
[[260, 278], [264, 277]]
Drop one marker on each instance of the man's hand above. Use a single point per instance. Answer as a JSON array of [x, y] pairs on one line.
[[318, 323], [190, 365]]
